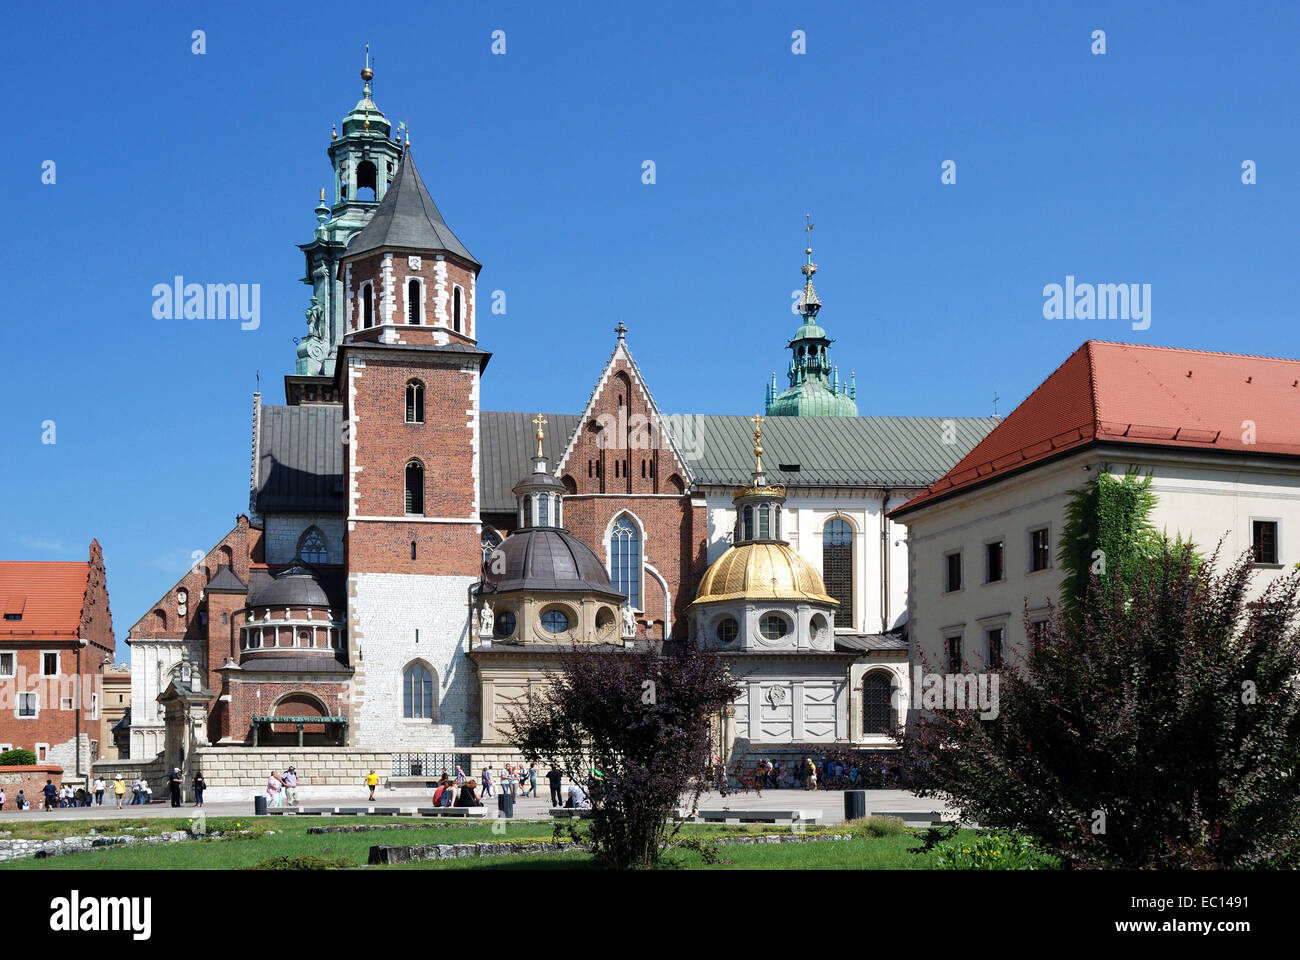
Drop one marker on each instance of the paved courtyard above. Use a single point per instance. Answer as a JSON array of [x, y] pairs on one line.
[[830, 802]]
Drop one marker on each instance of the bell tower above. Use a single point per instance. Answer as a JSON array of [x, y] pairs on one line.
[[364, 159]]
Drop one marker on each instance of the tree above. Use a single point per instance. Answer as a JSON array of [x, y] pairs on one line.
[[1161, 728], [17, 758], [641, 721]]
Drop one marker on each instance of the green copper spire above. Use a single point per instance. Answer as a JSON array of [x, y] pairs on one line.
[[815, 389]]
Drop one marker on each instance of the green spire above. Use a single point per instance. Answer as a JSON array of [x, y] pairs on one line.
[[815, 389]]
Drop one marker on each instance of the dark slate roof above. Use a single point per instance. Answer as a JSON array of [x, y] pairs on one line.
[[301, 461], [296, 586], [407, 217], [125, 722], [226, 580], [548, 559], [870, 641], [830, 451], [508, 443]]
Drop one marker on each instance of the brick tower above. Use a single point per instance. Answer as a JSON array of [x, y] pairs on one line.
[[408, 375]]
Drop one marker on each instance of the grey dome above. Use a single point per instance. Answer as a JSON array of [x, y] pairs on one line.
[[548, 559], [295, 586]]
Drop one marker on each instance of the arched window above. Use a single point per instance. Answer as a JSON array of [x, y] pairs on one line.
[[457, 307], [312, 548], [877, 703], [837, 567], [413, 301], [415, 488], [367, 306], [544, 512], [489, 542], [417, 692], [764, 515], [625, 559], [366, 180], [414, 401]]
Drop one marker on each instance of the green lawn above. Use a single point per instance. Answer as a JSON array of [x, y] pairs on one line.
[[290, 839]]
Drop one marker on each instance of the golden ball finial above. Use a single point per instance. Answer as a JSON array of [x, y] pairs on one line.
[[367, 74], [807, 251]]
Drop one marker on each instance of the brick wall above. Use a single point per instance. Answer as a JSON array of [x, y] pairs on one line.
[[31, 781]]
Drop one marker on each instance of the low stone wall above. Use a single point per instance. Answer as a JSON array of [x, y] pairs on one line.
[[17, 849], [238, 773], [152, 770], [30, 779]]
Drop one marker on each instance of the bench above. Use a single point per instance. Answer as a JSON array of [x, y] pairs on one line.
[[570, 812], [452, 811], [916, 818], [761, 816]]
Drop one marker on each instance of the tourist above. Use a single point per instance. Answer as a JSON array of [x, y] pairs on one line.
[[443, 784], [20, 801], [460, 776], [487, 782], [99, 791], [449, 794], [531, 789], [198, 785], [273, 785], [809, 774], [468, 795], [3, 798], [51, 794], [135, 791], [372, 781], [557, 779], [577, 798], [119, 789], [174, 782], [290, 779], [148, 790]]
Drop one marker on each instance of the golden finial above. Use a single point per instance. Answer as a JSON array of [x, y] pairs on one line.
[[540, 421], [322, 194], [366, 73], [758, 443]]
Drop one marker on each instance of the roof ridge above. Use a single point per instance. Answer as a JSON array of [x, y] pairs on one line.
[[1191, 350]]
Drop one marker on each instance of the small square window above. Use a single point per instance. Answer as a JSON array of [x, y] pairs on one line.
[[27, 705], [993, 566], [6, 664], [1264, 540], [1040, 549], [65, 703]]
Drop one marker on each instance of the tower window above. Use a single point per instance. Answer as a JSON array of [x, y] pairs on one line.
[[367, 179], [414, 402], [413, 301], [543, 511], [457, 308], [417, 693], [625, 559], [763, 521], [367, 306], [837, 567], [415, 488]]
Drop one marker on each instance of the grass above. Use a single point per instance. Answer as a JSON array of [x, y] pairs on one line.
[[283, 843]]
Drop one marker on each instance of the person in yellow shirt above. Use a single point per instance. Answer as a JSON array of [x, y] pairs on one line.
[[372, 781], [119, 790]]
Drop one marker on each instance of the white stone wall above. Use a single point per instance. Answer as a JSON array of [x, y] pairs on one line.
[[240, 773], [284, 530], [151, 663], [385, 611]]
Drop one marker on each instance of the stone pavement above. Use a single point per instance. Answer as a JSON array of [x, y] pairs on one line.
[[830, 802]]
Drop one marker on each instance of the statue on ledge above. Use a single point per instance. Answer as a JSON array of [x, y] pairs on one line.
[[629, 622], [485, 621]]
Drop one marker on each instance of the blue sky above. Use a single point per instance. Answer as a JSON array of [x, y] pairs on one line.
[[1121, 168]]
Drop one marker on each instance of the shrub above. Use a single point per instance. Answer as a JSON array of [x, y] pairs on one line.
[[17, 758], [993, 852], [877, 827], [304, 862]]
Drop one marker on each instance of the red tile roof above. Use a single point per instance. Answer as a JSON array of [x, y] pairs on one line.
[[48, 594], [1154, 396]]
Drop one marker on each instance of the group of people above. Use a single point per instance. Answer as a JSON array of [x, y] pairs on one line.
[[807, 774], [92, 795], [282, 788], [457, 790]]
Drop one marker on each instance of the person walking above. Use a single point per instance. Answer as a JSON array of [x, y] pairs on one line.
[[198, 785], [135, 791], [51, 794], [119, 790], [99, 791], [273, 785], [20, 801], [487, 782], [290, 778], [174, 783], [532, 781], [556, 779], [372, 781]]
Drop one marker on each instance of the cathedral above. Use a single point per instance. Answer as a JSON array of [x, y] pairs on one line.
[[409, 565]]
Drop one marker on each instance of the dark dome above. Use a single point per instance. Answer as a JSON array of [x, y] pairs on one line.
[[539, 481], [548, 559], [296, 586]]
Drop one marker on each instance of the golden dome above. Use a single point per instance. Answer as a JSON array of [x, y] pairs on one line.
[[762, 571]]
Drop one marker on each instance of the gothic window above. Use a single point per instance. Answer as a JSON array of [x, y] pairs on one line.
[[367, 306], [457, 307], [367, 179], [837, 567], [417, 692], [415, 488], [311, 547], [877, 703], [489, 542], [414, 401], [413, 301], [625, 559]]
